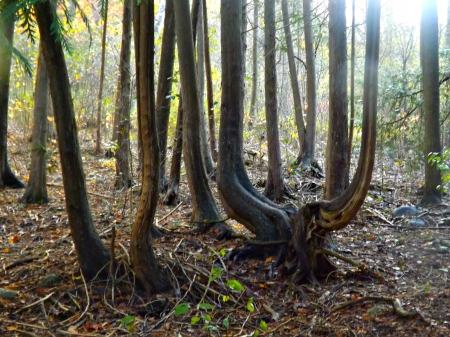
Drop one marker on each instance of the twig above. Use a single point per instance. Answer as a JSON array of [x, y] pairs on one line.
[[20, 263], [34, 303], [170, 213]]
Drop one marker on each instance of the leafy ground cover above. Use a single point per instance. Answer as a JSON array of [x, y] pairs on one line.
[[393, 283]]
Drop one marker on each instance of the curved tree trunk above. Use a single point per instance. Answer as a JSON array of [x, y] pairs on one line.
[[123, 174], [239, 198], [147, 270], [429, 59], [254, 93], [85, 237], [310, 135], [98, 139], [7, 177], [204, 207], [163, 99], [275, 185], [337, 169], [298, 112], [36, 191], [209, 87]]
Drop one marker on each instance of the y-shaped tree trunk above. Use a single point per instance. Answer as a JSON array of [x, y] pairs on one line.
[[147, 270], [36, 191]]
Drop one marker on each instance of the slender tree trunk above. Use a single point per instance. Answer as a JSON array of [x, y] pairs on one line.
[[298, 111], [147, 270], [204, 206], [254, 94], [163, 96], [337, 170], [98, 139], [352, 86], [310, 136], [123, 174], [275, 186], [7, 177], [206, 152], [86, 239], [209, 87], [429, 59], [36, 191]]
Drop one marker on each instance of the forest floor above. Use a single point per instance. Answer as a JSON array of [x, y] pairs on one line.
[[400, 266]]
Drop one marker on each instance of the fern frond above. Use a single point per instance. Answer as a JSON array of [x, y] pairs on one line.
[[84, 18], [23, 61]]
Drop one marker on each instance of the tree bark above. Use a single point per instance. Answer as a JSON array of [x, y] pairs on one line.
[[429, 59], [153, 278], [164, 91], [123, 174], [204, 207], [254, 93], [310, 135], [98, 139], [36, 191], [298, 111], [352, 86], [86, 239], [337, 170], [274, 189], [7, 177]]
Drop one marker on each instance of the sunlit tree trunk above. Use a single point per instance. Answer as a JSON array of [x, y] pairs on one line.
[[145, 266], [123, 174], [98, 139], [164, 91], [36, 191], [86, 239], [275, 186], [298, 112], [310, 136], [337, 170], [7, 177], [429, 59]]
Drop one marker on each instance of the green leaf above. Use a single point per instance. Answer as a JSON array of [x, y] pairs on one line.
[[195, 320], [226, 324], [235, 285], [181, 309], [223, 252], [128, 323], [206, 306], [207, 318], [263, 325], [256, 333], [215, 273], [250, 305]]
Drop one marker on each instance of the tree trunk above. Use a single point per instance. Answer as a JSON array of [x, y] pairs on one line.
[[164, 91], [204, 207], [429, 59], [240, 199], [275, 186], [310, 135], [209, 87], [337, 170], [86, 239], [206, 152], [352, 87], [98, 139], [153, 278], [123, 174], [254, 93], [7, 177], [36, 191], [298, 112]]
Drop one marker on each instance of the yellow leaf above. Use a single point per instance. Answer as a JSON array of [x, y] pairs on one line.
[[6, 250]]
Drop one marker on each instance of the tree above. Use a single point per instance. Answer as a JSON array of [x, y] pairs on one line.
[[123, 174], [104, 14], [152, 277], [164, 91], [36, 191], [205, 210], [254, 63], [337, 166], [241, 201], [298, 112], [352, 87], [87, 241], [307, 157], [275, 185], [7, 177], [209, 86], [429, 59]]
